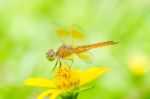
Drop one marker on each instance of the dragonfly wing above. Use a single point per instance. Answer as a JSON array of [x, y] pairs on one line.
[[86, 56], [62, 33], [78, 37], [70, 57]]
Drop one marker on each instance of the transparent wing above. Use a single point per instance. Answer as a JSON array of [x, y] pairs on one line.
[[86, 56], [78, 37], [63, 34]]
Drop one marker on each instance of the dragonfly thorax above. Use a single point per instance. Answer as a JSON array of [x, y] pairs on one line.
[[64, 51], [51, 55]]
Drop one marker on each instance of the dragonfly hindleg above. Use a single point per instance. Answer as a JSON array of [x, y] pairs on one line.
[[60, 63], [68, 64], [55, 65]]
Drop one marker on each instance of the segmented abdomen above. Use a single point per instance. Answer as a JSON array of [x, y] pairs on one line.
[[84, 48]]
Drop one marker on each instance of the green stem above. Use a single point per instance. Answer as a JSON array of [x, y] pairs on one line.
[[70, 96]]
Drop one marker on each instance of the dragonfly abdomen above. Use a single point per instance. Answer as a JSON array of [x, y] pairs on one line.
[[84, 48]]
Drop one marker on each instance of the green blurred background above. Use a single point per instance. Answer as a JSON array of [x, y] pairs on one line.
[[25, 37]]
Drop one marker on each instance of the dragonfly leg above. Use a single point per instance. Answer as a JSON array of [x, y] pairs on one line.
[[55, 65], [60, 63], [69, 60]]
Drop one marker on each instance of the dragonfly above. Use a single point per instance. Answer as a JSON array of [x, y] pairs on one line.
[[66, 51]]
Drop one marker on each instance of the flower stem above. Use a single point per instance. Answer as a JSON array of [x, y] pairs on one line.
[[70, 96]]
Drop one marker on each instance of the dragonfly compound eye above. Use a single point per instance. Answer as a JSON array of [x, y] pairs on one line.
[[50, 55]]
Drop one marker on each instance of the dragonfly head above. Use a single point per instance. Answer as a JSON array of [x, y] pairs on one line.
[[51, 55]]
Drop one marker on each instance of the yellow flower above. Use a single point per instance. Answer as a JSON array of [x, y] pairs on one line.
[[65, 81], [138, 64]]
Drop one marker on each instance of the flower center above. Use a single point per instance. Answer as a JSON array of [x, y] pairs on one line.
[[66, 78]]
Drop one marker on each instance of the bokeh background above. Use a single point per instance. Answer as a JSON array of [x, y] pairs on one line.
[[26, 35]]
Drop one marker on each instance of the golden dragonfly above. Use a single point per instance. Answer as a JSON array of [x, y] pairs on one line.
[[67, 50]]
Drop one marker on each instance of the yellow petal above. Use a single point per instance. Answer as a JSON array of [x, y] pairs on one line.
[[91, 74], [45, 93], [56, 93], [40, 82]]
